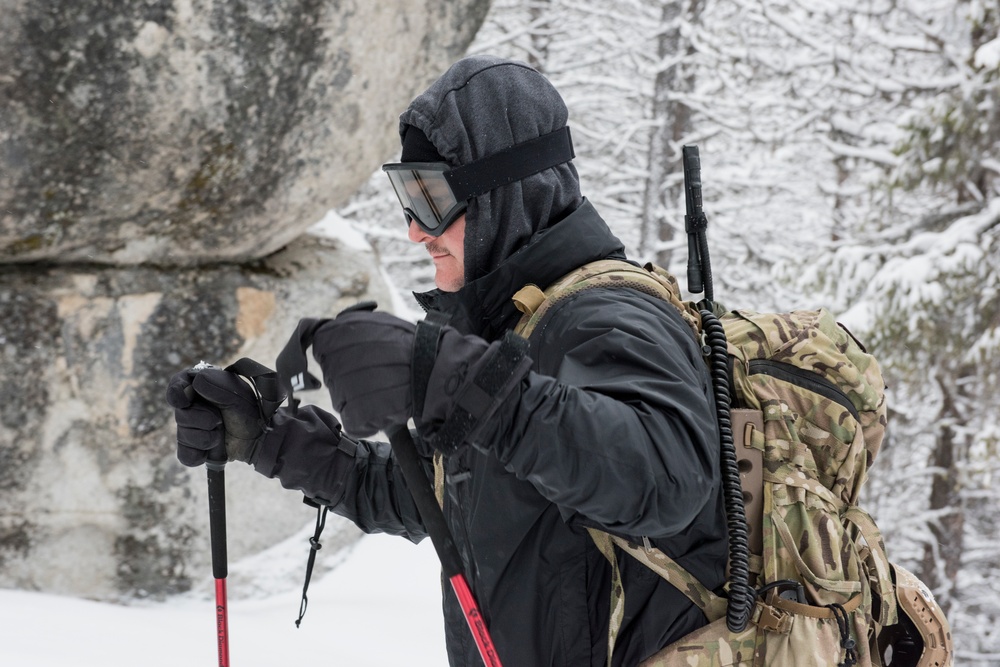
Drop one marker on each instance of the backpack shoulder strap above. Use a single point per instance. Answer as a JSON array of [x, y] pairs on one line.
[[713, 606], [535, 303]]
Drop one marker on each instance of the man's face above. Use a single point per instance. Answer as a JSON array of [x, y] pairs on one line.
[[447, 252]]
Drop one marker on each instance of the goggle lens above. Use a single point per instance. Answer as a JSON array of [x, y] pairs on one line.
[[425, 195]]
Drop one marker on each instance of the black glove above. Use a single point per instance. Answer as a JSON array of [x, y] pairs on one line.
[[366, 359], [218, 416]]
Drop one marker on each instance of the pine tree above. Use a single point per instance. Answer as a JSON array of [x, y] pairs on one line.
[[924, 278], [949, 156]]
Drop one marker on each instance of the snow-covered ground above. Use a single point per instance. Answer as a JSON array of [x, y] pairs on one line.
[[381, 606]]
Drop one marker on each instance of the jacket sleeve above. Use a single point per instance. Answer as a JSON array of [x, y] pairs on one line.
[[617, 424], [308, 452]]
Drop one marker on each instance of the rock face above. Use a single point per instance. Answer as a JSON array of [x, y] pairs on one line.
[[159, 162], [189, 131], [93, 500]]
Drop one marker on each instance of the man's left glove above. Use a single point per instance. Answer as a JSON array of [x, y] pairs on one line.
[[216, 410], [365, 358]]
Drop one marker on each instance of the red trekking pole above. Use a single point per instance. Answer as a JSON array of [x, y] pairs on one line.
[[264, 382], [444, 543], [217, 524]]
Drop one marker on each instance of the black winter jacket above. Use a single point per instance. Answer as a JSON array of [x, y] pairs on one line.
[[614, 428]]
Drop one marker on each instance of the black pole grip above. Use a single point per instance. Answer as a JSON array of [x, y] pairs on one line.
[[217, 517], [423, 495]]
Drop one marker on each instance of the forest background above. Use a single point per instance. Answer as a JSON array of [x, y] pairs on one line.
[[849, 160]]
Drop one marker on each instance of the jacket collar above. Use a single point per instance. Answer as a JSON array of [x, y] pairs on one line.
[[484, 306]]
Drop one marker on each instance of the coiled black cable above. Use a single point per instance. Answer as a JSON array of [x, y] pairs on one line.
[[741, 594]]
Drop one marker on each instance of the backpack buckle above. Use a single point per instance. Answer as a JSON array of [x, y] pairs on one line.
[[772, 619]]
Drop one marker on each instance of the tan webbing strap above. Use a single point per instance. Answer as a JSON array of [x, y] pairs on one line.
[[535, 303], [713, 606], [877, 558], [439, 478], [846, 587], [617, 613], [775, 600]]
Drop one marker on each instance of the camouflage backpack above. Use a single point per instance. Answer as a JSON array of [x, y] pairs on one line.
[[808, 419]]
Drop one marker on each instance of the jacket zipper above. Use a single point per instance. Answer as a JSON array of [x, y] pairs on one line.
[[805, 379]]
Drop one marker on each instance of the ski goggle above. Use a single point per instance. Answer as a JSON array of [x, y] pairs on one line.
[[425, 194], [435, 194]]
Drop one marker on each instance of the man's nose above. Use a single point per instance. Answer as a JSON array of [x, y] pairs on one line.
[[417, 234]]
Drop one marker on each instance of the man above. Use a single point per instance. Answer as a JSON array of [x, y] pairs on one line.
[[606, 420]]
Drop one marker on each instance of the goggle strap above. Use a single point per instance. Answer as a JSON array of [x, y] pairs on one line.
[[512, 164]]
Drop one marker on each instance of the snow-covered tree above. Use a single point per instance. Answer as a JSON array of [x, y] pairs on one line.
[[924, 279]]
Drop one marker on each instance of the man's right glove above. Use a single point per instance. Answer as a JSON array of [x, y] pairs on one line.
[[368, 367], [218, 416]]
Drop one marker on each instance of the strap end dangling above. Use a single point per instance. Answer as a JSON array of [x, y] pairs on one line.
[[314, 546]]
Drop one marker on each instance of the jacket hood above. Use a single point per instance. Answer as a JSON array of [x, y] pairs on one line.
[[479, 107]]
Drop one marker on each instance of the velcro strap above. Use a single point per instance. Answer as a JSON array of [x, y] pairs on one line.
[[479, 398], [475, 400], [292, 364], [425, 345], [264, 380], [495, 374]]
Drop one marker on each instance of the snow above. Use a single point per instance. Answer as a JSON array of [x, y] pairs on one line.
[[401, 306], [381, 606], [988, 55], [335, 226]]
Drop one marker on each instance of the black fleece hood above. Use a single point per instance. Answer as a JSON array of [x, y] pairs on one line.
[[481, 106]]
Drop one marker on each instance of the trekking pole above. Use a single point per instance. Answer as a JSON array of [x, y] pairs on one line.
[[216, 467], [217, 524], [441, 537], [267, 390]]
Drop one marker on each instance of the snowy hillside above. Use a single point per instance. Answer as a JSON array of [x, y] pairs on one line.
[[380, 607]]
